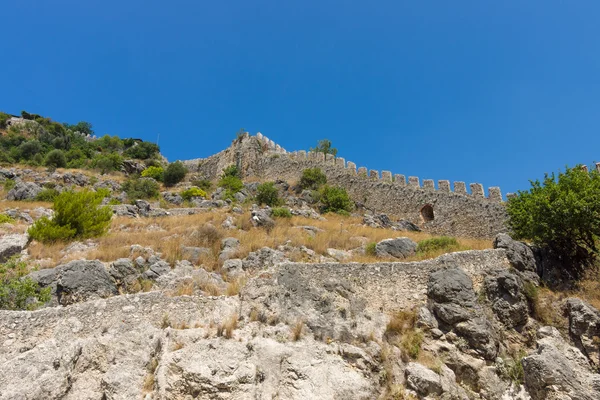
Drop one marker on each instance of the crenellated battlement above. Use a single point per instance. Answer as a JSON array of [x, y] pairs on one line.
[[494, 193]]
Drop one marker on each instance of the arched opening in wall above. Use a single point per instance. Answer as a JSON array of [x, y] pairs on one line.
[[427, 213]]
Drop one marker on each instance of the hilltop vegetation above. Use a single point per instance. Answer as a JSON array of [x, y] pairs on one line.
[[39, 141]]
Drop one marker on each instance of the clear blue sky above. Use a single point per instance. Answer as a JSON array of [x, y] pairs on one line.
[[496, 92]]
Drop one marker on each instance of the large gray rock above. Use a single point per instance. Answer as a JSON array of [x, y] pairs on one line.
[[453, 302], [398, 248], [133, 167], [584, 325], [123, 271], [504, 290], [78, 179], [519, 255], [262, 218], [559, 371], [24, 191], [11, 245], [423, 380], [77, 281], [229, 248]]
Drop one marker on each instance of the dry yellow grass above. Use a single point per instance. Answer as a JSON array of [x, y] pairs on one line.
[[168, 234]]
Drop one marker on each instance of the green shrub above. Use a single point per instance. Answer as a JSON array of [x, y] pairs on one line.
[[437, 243], [143, 188], [232, 170], [563, 214], [47, 195], [281, 212], [370, 249], [312, 178], [9, 184], [4, 119], [174, 173], [324, 146], [4, 219], [335, 199], [155, 173], [77, 215], [203, 184], [18, 292], [232, 185], [268, 194], [142, 151], [107, 162], [194, 191], [56, 158]]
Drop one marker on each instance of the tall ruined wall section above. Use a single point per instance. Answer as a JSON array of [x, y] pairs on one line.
[[438, 211]]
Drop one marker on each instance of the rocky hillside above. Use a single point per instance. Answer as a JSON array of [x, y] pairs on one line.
[[199, 291]]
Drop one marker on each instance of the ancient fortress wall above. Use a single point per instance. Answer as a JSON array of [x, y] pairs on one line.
[[440, 211]]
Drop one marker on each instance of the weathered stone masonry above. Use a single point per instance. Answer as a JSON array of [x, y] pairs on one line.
[[454, 213]]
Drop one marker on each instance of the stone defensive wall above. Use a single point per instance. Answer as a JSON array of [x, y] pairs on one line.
[[399, 285], [438, 210]]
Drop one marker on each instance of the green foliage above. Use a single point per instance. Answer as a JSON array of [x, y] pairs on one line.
[[194, 191], [47, 195], [142, 151], [18, 292], [77, 215], [445, 243], [4, 117], [203, 184], [82, 127], [312, 178], [562, 213], [174, 173], [370, 249], [324, 146], [335, 199], [232, 185], [281, 212], [232, 170], [5, 219], [9, 184], [143, 188], [268, 194], [107, 162], [56, 158], [512, 368], [155, 173]]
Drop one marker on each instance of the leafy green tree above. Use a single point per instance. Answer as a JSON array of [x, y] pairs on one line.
[[143, 188], [77, 215], [335, 199], [107, 162], [324, 146], [268, 194], [82, 127], [56, 158], [4, 117], [143, 151], [312, 178], [174, 173], [563, 213], [29, 149]]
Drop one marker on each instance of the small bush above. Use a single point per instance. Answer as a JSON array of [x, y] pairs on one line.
[[18, 292], [155, 173], [267, 194], [445, 243], [189, 193], [203, 184], [9, 184], [142, 150], [106, 163], [174, 173], [5, 219], [281, 212], [335, 199], [513, 368], [370, 249], [402, 323], [232, 170], [56, 158], [77, 215], [312, 178], [232, 185], [143, 188], [47, 195]]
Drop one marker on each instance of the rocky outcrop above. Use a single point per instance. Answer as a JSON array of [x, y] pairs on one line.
[[584, 328], [24, 191], [11, 245], [396, 248], [519, 255], [504, 290], [557, 370], [453, 302]]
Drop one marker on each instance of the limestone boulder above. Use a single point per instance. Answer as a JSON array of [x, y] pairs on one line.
[[397, 248]]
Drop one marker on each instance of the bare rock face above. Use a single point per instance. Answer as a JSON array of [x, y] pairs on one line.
[[584, 325], [504, 289], [519, 254], [11, 245], [24, 191], [559, 371], [454, 304]]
